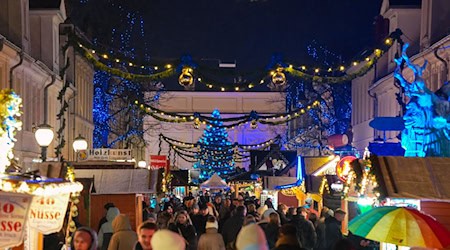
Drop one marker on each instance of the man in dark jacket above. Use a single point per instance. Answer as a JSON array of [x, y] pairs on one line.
[[306, 233], [199, 220], [333, 228], [145, 233], [282, 211], [233, 225], [288, 239]]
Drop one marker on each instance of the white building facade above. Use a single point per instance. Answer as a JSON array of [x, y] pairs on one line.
[[31, 58]]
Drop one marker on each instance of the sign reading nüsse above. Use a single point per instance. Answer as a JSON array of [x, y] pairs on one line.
[[13, 214]]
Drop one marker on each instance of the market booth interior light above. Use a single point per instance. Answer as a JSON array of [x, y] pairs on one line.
[[79, 143]]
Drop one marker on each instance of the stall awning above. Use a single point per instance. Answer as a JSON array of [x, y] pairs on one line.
[[119, 181], [215, 182], [411, 177]]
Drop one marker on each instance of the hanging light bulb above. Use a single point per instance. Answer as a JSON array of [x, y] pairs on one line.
[[254, 124], [197, 123], [278, 77]]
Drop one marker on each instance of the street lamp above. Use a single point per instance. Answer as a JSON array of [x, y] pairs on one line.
[[142, 164], [79, 143], [44, 136]]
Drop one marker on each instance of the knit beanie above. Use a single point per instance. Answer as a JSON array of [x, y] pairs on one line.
[[251, 237], [165, 239], [212, 225]]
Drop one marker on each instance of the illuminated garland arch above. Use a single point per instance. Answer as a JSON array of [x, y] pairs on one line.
[[188, 150], [101, 58], [253, 117]]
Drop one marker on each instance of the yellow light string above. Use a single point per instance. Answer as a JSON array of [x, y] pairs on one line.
[[298, 71]]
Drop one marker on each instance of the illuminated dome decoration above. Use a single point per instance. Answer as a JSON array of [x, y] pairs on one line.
[[186, 78], [278, 77], [343, 167]]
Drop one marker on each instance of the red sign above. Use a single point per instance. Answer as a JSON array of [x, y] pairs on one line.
[[13, 214], [158, 161]]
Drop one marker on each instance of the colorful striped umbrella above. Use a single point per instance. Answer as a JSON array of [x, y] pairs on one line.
[[401, 226]]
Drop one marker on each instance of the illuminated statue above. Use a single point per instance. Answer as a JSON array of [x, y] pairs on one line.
[[427, 117]]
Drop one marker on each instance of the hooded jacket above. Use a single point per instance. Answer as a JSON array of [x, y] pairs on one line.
[[211, 240], [124, 238], [106, 231]]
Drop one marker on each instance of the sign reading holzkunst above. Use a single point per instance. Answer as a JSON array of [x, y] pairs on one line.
[[104, 154]]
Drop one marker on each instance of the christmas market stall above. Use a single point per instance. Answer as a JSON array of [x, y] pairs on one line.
[[31, 204], [119, 183], [268, 169]]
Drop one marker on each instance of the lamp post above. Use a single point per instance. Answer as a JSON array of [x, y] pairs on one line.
[[79, 143], [44, 136]]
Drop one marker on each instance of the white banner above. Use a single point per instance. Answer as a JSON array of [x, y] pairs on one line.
[[13, 214], [47, 212]]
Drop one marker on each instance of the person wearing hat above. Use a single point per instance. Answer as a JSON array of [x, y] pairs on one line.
[[333, 228], [167, 240], [211, 240]]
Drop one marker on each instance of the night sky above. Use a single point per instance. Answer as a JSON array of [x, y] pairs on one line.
[[246, 31]]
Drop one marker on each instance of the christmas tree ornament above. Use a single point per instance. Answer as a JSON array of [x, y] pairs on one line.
[[186, 78], [278, 77]]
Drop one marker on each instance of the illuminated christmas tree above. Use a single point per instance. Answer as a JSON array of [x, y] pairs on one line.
[[215, 153]]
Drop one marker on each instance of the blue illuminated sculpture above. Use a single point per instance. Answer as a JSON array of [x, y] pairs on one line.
[[215, 153], [427, 117]]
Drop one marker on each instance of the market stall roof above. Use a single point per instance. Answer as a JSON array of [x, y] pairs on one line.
[[120, 181], [214, 182], [413, 177]]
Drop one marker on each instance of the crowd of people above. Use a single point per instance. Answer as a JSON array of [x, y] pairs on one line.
[[219, 223]]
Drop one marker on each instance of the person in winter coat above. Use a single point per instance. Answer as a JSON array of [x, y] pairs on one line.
[[106, 230], [282, 211], [167, 240], [306, 233], [272, 229], [211, 240], [199, 220], [287, 239], [320, 228], [183, 226], [124, 238], [84, 238], [232, 226], [107, 206], [333, 228], [251, 237]]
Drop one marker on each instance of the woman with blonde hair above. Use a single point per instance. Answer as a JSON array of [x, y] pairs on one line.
[[183, 225]]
